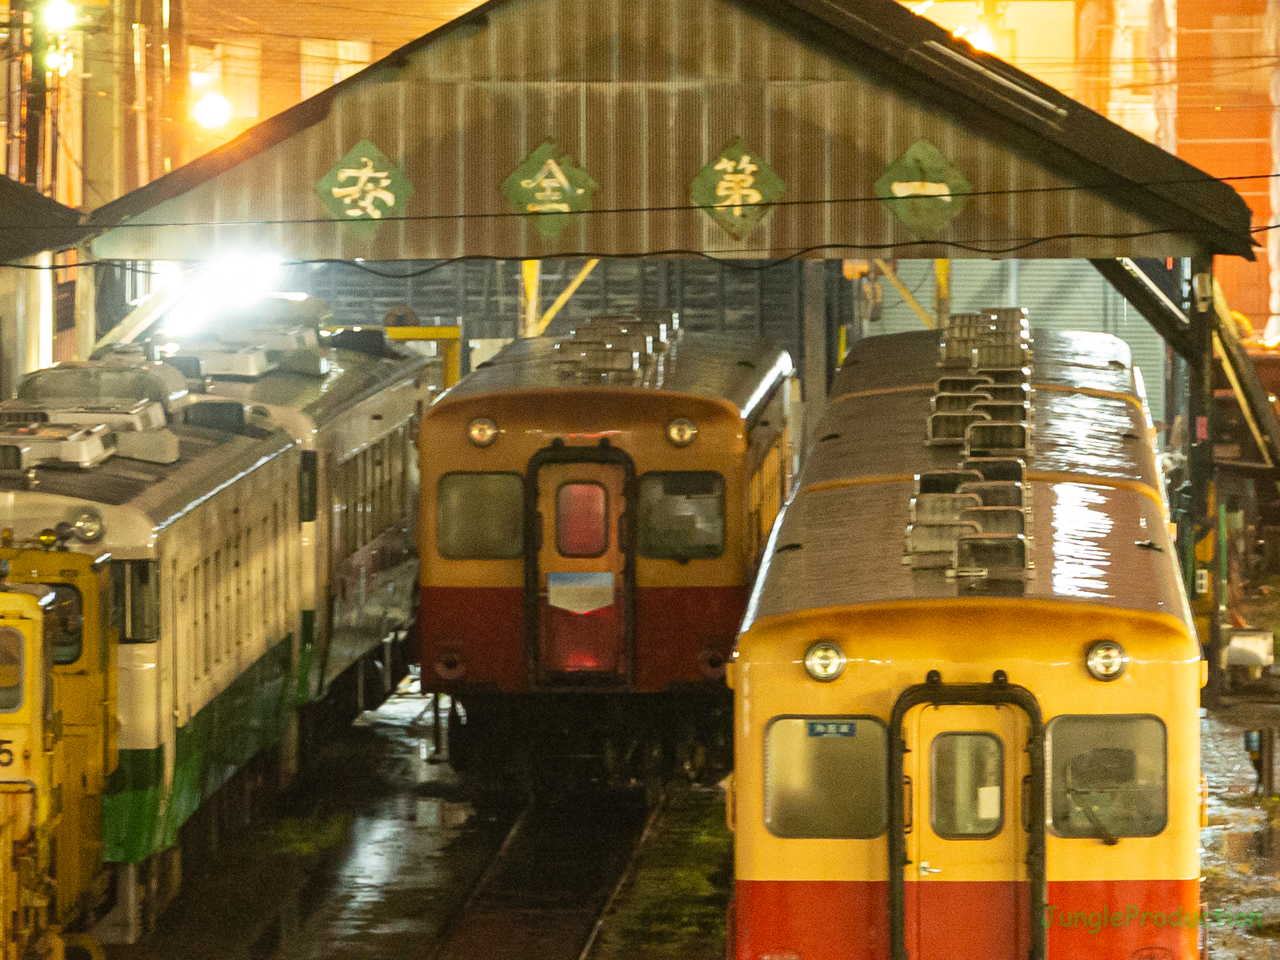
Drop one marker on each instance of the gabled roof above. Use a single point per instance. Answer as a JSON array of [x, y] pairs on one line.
[[33, 223], [907, 52]]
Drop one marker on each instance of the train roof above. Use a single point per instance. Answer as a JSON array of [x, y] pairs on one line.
[[207, 460], [883, 515], [740, 371], [351, 377]]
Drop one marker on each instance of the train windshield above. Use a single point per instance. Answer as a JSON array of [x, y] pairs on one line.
[[64, 619], [11, 649], [681, 515], [1107, 776], [480, 516], [824, 777]]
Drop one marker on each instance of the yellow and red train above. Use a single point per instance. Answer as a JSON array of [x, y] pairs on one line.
[[592, 510], [967, 686]]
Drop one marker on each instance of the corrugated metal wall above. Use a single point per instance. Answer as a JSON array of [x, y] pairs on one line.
[[1060, 294], [641, 94], [752, 297]]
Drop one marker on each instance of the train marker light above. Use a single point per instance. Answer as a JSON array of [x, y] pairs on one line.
[[1106, 660], [482, 432], [48, 538], [87, 525], [681, 432], [824, 661]]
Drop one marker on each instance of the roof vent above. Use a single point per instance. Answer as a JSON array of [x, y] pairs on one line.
[[1009, 392], [995, 493], [962, 384], [998, 468], [995, 556], [932, 546], [949, 429], [942, 508], [1003, 411], [589, 359], [56, 444], [945, 481], [991, 439], [996, 519], [956, 402]]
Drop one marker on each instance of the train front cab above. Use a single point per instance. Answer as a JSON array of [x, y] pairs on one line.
[[1032, 810], [582, 549]]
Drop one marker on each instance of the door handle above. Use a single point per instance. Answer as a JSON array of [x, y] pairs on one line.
[[925, 869]]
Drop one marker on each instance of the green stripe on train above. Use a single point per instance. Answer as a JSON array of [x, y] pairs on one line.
[[247, 717]]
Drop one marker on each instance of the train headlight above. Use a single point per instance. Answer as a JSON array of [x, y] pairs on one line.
[[482, 432], [824, 661], [87, 525], [1106, 660], [681, 432]]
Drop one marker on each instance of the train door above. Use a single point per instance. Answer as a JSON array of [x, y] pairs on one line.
[[581, 618], [966, 890]]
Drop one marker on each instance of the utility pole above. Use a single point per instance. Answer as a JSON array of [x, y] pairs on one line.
[[37, 102]]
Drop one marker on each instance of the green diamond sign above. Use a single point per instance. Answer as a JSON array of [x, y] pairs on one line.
[[923, 189], [736, 189], [364, 188], [550, 188]]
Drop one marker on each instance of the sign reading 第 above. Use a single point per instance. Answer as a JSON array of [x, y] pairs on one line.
[[833, 728], [550, 187], [923, 189], [737, 189], [364, 188]]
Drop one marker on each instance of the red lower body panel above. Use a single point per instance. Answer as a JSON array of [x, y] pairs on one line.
[[685, 634], [682, 635], [1084, 920]]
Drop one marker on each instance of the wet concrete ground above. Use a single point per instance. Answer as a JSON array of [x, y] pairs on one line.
[[1240, 862], [366, 861]]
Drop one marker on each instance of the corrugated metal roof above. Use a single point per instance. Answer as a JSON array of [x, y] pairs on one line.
[[642, 95]]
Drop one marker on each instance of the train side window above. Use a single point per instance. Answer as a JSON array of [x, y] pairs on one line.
[[824, 777], [681, 515], [11, 665], [966, 785], [136, 585], [582, 528], [480, 516], [65, 616], [1107, 776]]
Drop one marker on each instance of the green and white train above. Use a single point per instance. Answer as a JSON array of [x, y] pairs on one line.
[[252, 530]]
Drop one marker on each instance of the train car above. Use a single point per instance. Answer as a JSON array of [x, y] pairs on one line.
[[967, 685], [351, 399], [593, 507], [172, 543]]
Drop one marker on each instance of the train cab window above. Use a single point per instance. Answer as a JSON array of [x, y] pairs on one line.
[[824, 777], [136, 588], [11, 665], [966, 785], [1107, 776], [582, 527], [64, 615], [480, 516], [681, 515]]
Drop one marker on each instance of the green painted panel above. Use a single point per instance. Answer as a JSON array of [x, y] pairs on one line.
[[244, 719], [131, 806]]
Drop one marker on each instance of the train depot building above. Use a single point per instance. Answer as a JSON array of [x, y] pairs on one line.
[[744, 163]]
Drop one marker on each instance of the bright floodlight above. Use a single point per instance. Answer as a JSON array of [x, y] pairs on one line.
[[212, 111], [219, 285], [59, 15]]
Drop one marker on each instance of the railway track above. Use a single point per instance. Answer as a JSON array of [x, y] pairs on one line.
[[542, 896]]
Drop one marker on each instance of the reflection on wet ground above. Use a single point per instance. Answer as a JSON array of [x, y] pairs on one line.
[[1240, 862], [365, 860]]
